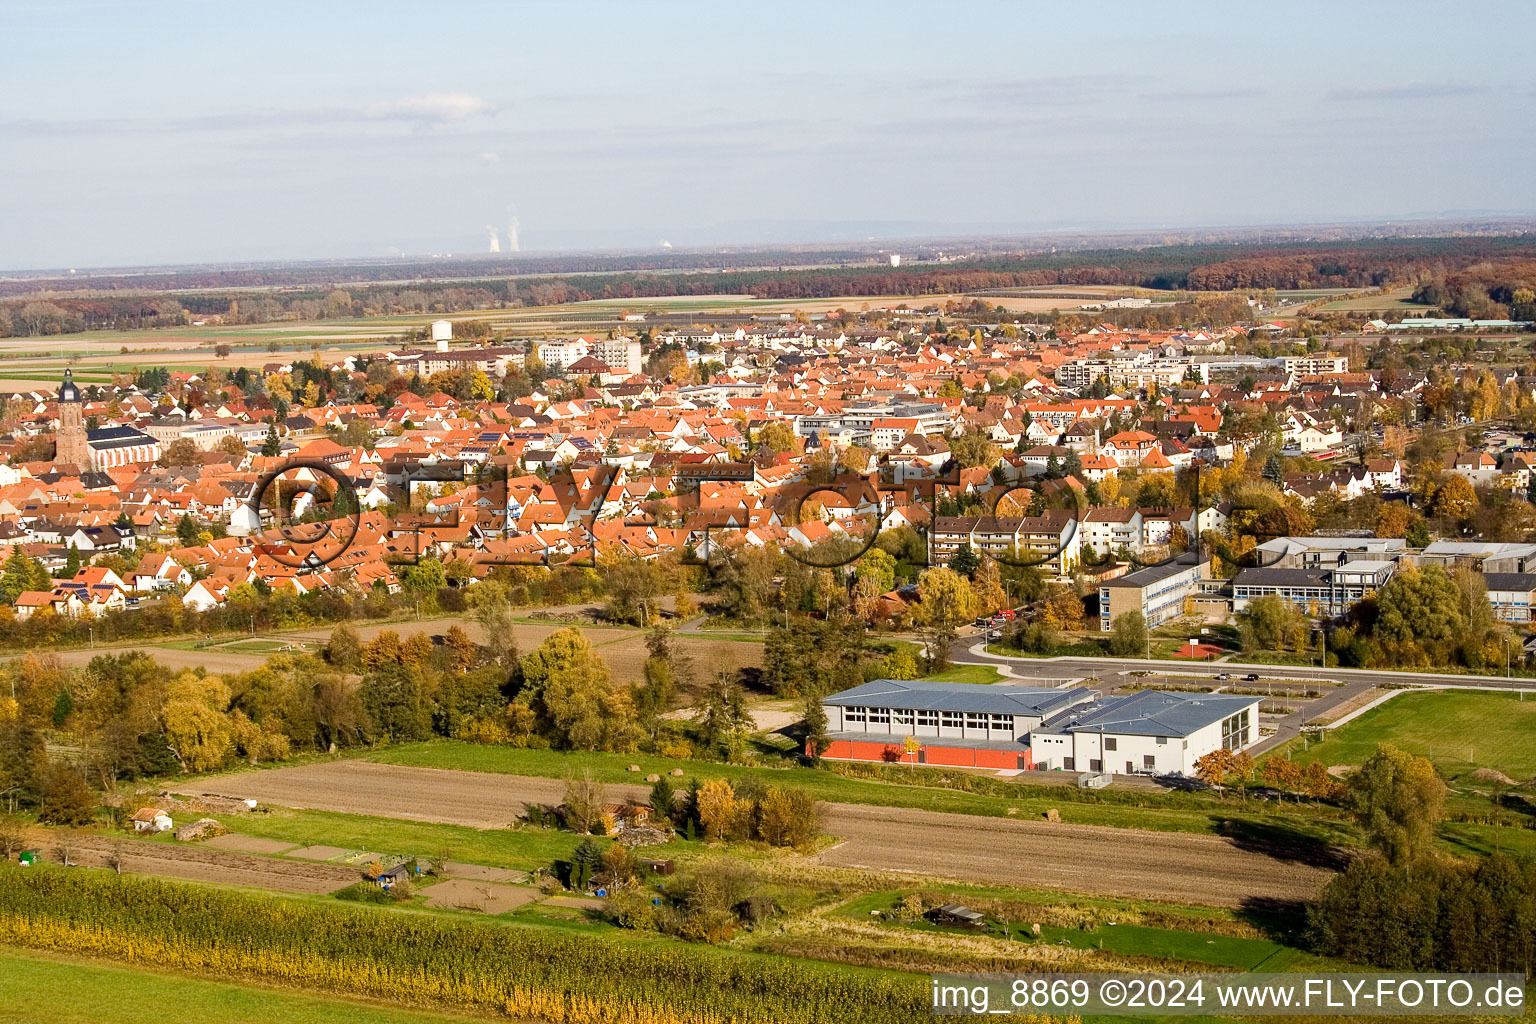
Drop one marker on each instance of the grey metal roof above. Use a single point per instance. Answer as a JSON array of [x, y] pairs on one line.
[[1156, 573], [920, 695], [1281, 578], [1519, 582], [1149, 713], [117, 437]]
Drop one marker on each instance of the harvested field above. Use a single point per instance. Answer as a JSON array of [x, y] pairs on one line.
[[170, 657], [576, 902], [321, 853], [1084, 858], [201, 864], [487, 897], [484, 873], [248, 844], [1080, 858]]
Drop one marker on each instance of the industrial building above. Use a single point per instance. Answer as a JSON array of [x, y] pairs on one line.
[[1019, 727], [1148, 732]]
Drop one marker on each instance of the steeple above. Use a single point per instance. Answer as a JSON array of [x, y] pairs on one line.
[[71, 443], [68, 392]]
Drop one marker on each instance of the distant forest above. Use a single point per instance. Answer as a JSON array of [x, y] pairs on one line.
[[1482, 276]]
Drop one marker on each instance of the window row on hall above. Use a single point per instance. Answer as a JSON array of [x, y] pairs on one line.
[[945, 719]]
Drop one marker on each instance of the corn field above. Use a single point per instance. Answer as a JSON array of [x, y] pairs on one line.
[[522, 971]]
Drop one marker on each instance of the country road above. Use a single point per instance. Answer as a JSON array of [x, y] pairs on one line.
[[1078, 858]]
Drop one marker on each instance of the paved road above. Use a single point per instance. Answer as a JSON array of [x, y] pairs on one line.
[[1109, 672], [1079, 858]]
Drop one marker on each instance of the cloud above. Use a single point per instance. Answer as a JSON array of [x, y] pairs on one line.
[[490, 158], [436, 107], [1406, 91], [1204, 94]]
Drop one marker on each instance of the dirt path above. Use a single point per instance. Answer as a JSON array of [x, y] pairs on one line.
[[1177, 866], [204, 864]]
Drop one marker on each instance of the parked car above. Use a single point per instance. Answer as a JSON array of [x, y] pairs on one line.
[[981, 621]]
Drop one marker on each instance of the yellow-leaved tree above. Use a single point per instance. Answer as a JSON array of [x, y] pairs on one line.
[[196, 726]]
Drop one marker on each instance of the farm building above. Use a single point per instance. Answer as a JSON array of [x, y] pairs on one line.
[[957, 724], [956, 916], [151, 819], [1012, 727]]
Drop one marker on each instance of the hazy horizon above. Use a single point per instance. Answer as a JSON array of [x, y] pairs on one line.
[[189, 133]]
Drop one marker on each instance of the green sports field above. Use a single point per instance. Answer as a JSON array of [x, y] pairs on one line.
[[1459, 730]]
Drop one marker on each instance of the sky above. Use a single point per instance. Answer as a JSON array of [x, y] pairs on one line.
[[167, 132]]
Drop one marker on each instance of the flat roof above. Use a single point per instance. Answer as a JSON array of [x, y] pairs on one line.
[[1521, 582], [920, 695], [1149, 713], [1281, 578], [1156, 573]]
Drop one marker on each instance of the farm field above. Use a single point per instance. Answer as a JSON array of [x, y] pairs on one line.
[[87, 992], [622, 647], [519, 850], [1395, 300], [199, 863], [999, 849], [96, 355], [1124, 808]]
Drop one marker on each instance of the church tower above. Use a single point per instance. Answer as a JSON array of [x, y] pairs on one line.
[[70, 443]]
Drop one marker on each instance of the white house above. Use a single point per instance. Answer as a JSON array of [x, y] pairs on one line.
[[1111, 528], [1386, 474], [160, 572], [151, 819], [203, 595]]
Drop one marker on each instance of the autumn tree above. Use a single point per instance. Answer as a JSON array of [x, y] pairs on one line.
[[67, 799], [1399, 799], [786, 816], [194, 721], [181, 452], [944, 603], [716, 808], [776, 436], [569, 687], [344, 649], [1454, 499]]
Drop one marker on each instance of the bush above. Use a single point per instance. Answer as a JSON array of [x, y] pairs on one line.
[[67, 798], [786, 817], [370, 892]]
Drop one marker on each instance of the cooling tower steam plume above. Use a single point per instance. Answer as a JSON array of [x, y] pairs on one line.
[[495, 239], [512, 226]]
